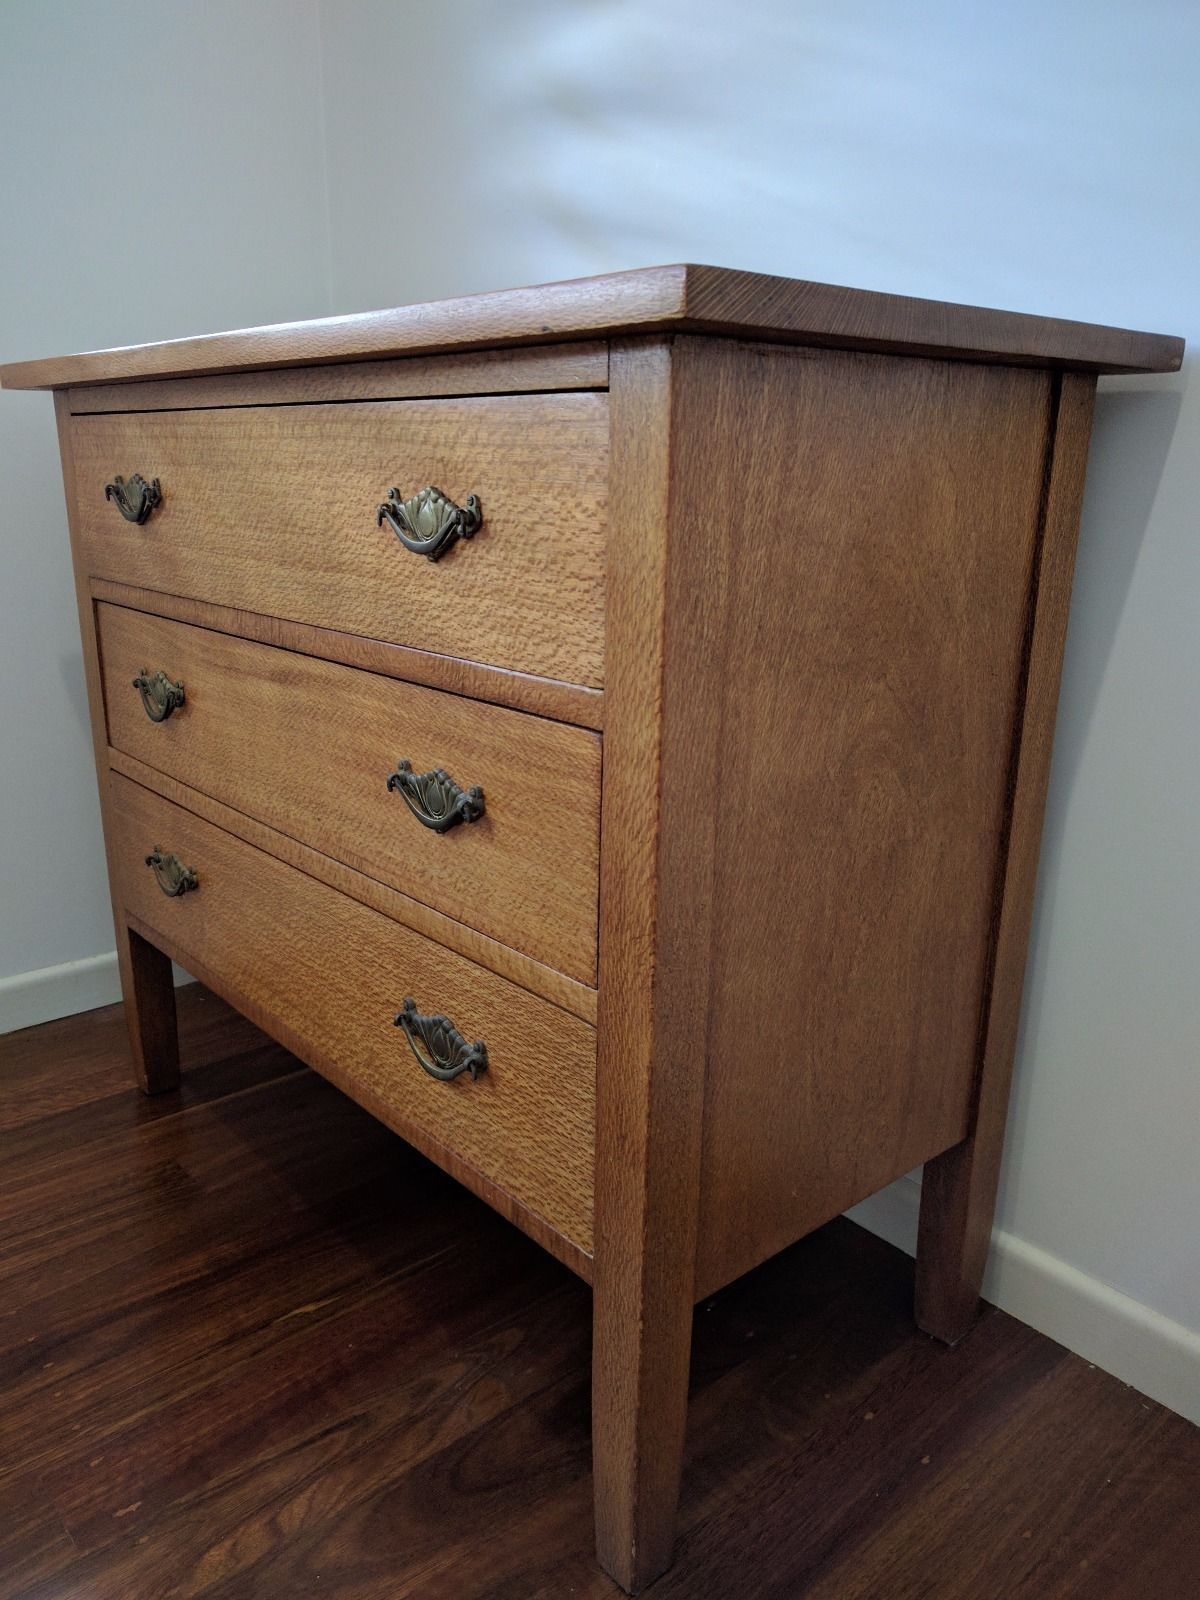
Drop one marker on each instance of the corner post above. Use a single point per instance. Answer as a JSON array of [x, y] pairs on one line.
[[958, 1199], [665, 610]]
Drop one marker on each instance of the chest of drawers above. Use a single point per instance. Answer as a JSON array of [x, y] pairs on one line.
[[605, 729]]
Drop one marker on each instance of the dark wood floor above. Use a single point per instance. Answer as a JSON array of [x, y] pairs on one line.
[[253, 1346]]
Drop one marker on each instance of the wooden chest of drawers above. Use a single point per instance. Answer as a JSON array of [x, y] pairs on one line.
[[605, 729]]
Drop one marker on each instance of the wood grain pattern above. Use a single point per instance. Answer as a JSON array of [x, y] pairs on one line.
[[869, 665], [516, 371], [578, 998], [306, 747], [826, 614], [682, 298], [640, 1346], [757, 305], [309, 1363], [657, 910], [958, 1196], [325, 975], [146, 981], [545, 697], [273, 510]]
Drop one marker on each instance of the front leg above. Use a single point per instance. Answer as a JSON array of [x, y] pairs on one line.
[[148, 987], [641, 1359]]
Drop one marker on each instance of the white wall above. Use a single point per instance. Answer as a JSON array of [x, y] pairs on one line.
[[1023, 155], [161, 172]]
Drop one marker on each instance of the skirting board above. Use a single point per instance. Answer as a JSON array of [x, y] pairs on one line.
[[33, 997], [1146, 1350]]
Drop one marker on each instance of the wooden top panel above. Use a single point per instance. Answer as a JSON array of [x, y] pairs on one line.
[[692, 299]]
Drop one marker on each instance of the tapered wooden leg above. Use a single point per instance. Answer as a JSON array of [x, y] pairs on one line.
[[640, 1365], [958, 1201], [657, 918], [149, 991]]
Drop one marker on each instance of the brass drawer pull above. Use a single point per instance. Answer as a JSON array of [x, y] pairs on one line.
[[135, 499], [429, 523], [172, 877], [438, 1045], [160, 695], [434, 798]]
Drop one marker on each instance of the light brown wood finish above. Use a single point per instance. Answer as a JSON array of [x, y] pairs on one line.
[[307, 746], [833, 782], [273, 510], [865, 737], [958, 1197], [545, 697], [551, 984], [760, 306], [666, 589], [326, 975], [676, 299], [517, 371], [147, 986], [836, 564]]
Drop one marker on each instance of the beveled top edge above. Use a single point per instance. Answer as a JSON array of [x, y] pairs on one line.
[[680, 298]]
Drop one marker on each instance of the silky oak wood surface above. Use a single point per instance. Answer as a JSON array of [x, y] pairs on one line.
[[516, 371], [327, 975], [650, 1068], [815, 724], [545, 697], [307, 746], [683, 298], [865, 737], [805, 563], [578, 998], [255, 1346], [273, 510]]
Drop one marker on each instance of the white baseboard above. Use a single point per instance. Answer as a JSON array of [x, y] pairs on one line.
[[1143, 1348], [32, 997]]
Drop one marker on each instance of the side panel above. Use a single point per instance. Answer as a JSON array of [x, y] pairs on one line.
[[882, 523]]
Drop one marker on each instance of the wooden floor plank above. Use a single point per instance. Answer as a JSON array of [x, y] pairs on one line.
[[87, 1051], [252, 1347]]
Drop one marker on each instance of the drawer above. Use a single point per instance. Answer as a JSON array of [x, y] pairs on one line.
[[274, 510], [327, 976], [307, 746]]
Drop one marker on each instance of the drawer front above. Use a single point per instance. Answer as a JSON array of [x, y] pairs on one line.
[[307, 746], [274, 510], [328, 975]]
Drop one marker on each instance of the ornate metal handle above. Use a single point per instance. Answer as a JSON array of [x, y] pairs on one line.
[[172, 876], [160, 695], [438, 1045], [135, 498], [429, 523], [434, 798]]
